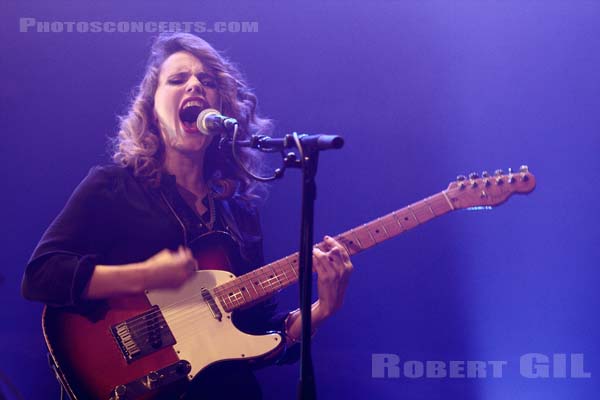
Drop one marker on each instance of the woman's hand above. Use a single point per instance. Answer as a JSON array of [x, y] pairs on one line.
[[169, 269], [333, 267], [165, 269]]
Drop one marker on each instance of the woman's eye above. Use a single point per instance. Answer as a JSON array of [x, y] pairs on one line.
[[175, 81], [209, 83]]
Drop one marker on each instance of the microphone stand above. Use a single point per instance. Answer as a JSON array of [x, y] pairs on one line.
[[310, 157], [308, 148]]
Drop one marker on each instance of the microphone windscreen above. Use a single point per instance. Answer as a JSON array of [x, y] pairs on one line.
[[203, 122]]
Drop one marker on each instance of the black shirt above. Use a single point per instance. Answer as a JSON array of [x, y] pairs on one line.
[[112, 218]]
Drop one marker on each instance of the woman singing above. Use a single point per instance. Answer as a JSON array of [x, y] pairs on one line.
[[128, 227]]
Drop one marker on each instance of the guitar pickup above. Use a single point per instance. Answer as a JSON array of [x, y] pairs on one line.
[[212, 304], [142, 335]]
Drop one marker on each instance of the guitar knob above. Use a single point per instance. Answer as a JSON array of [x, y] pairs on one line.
[[473, 175], [152, 380], [120, 392], [461, 178], [498, 172], [183, 367], [485, 174], [524, 169]]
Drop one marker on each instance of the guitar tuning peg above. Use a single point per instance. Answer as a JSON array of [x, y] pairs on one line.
[[524, 170], [473, 175], [461, 181], [485, 174], [511, 178], [498, 172]]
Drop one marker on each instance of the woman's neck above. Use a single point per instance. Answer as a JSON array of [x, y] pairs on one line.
[[188, 170]]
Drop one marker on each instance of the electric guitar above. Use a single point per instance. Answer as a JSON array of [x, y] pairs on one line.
[[138, 347]]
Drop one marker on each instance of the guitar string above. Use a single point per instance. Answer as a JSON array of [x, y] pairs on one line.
[[176, 311], [270, 287], [168, 307], [341, 236], [186, 331], [177, 315], [142, 319], [281, 280]]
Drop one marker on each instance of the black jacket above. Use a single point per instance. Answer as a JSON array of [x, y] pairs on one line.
[[112, 218]]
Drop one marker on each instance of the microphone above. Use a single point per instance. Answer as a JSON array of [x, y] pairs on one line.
[[211, 122]]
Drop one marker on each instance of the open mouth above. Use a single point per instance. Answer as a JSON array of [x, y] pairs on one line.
[[188, 114]]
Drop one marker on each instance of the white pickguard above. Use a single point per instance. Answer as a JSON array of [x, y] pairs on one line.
[[201, 338]]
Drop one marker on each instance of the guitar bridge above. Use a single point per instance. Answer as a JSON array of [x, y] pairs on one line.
[[142, 335]]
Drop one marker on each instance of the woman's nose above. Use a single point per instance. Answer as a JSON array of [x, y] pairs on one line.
[[194, 86]]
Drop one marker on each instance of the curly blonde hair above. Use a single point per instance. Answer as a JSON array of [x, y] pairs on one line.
[[139, 144]]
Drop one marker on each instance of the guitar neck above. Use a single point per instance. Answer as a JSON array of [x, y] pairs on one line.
[[265, 281]]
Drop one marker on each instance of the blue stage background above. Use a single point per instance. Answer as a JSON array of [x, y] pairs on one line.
[[422, 91]]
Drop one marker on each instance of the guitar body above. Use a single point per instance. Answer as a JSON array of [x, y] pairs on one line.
[[142, 346]]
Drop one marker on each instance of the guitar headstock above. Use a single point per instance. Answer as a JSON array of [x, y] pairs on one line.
[[489, 190]]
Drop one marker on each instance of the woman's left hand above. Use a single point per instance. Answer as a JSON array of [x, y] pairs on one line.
[[333, 266]]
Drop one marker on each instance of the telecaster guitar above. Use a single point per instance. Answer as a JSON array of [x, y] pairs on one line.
[[138, 347]]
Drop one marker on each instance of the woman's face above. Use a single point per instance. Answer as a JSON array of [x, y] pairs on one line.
[[185, 87]]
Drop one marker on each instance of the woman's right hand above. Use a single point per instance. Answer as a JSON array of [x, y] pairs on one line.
[[166, 269], [169, 269]]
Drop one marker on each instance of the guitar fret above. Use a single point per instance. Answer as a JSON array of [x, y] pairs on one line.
[[409, 208], [245, 292], [339, 239], [256, 283], [391, 225], [386, 231], [275, 275], [234, 297], [262, 279], [269, 284], [370, 235], [398, 219], [430, 209], [278, 271], [440, 204], [356, 238], [350, 241], [292, 265], [408, 219], [285, 276], [251, 282], [378, 231], [448, 200]]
